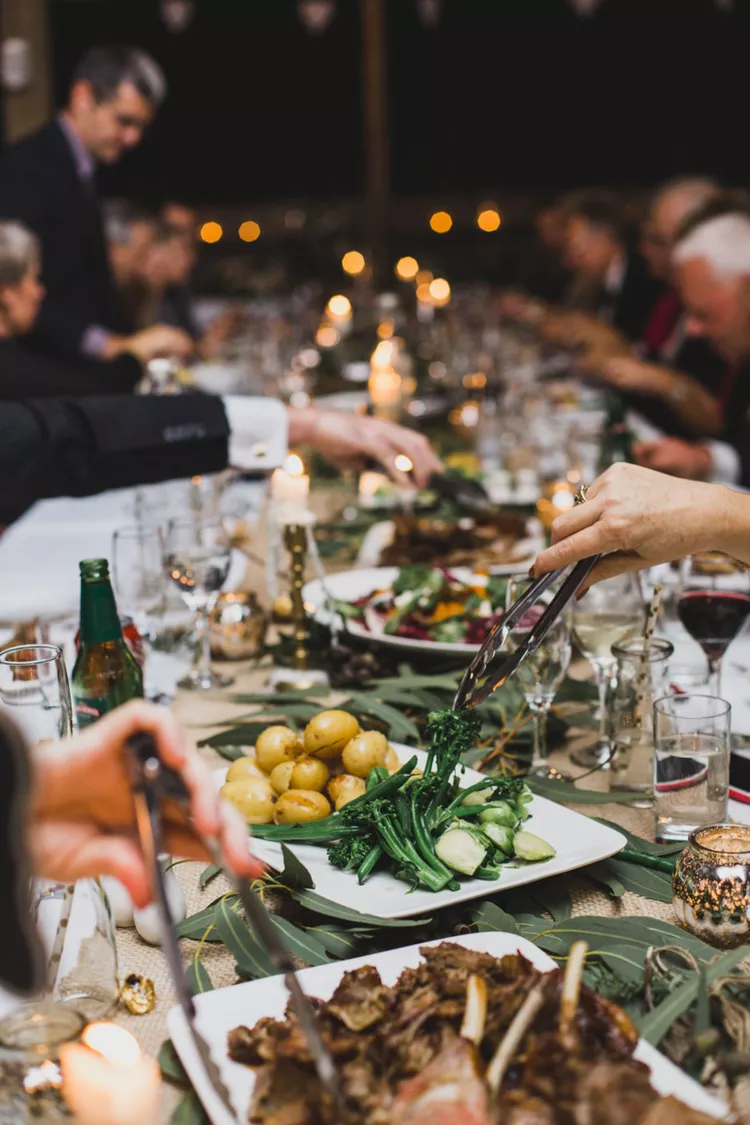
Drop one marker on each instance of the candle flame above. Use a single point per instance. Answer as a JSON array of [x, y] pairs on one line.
[[383, 354], [294, 465], [112, 1042]]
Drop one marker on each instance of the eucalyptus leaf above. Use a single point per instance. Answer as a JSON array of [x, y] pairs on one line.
[[195, 925], [294, 875], [190, 1112], [209, 874], [337, 941], [302, 943], [638, 934], [400, 728], [489, 918], [655, 1025], [328, 909], [603, 875], [197, 977], [622, 960], [566, 792], [702, 1020], [656, 885], [640, 844], [250, 956], [170, 1065], [244, 735]]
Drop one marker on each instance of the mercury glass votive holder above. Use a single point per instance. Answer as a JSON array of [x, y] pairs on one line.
[[711, 885]]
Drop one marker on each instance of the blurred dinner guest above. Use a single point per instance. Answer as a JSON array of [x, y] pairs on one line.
[[671, 377], [130, 233], [542, 273], [181, 218], [29, 374], [712, 269], [48, 181], [599, 249]]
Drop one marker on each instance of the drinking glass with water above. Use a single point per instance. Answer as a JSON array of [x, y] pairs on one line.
[[691, 763]]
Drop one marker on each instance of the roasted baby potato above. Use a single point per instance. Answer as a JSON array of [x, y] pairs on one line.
[[301, 806], [328, 733], [281, 776], [242, 768], [275, 745], [345, 788], [364, 752], [253, 797], [309, 773]]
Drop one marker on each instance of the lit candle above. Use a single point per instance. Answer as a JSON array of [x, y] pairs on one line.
[[384, 383], [370, 484], [107, 1079], [290, 490]]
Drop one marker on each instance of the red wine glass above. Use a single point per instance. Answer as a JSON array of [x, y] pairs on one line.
[[713, 606]]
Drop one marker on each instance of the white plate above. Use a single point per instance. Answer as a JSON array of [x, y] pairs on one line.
[[352, 584], [221, 1011], [578, 840]]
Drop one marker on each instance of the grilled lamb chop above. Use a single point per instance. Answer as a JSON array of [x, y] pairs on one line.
[[450, 1090]]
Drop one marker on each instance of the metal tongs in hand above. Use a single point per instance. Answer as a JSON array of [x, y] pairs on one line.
[[153, 783], [480, 680]]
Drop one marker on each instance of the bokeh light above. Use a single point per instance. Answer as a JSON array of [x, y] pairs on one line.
[[339, 305], [424, 277], [489, 219], [212, 232], [441, 222], [440, 291], [249, 231], [353, 262], [407, 268], [327, 336]]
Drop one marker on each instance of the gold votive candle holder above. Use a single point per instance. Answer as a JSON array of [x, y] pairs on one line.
[[711, 885]]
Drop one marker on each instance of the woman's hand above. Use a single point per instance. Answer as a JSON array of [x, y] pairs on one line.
[[83, 816], [637, 518]]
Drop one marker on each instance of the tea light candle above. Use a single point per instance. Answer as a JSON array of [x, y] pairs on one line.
[[106, 1078], [290, 489], [384, 386]]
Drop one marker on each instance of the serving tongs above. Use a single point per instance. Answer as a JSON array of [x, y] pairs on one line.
[[153, 783], [480, 680]]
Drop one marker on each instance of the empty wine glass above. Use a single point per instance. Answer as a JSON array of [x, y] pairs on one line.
[[541, 673], [713, 605], [35, 690], [138, 574], [198, 557], [608, 613]]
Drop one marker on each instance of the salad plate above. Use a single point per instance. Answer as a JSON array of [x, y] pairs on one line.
[[577, 840], [220, 1011], [447, 612]]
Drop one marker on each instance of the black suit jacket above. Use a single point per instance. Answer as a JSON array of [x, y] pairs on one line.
[[40, 186], [27, 374], [630, 308], [77, 447]]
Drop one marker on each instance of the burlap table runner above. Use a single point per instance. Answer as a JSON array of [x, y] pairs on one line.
[[203, 714]]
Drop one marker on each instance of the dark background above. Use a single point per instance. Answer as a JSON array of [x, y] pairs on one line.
[[503, 96]]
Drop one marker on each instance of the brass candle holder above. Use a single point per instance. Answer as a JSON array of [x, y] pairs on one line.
[[295, 541]]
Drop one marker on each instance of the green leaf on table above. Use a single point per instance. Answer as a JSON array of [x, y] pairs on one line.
[[209, 874], [637, 934], [549, 895], [655, 1025], [566, 792], [639, 843], [624, 962], [170, 1065], [702, 1020], [602, 874], [656, 885], [197, 977], [250, 955], [400, 727], [328, 909], [294, 875], [302, 943], [195, 925], [489, 917], [190, 1112], [339, 942], [240, 737]]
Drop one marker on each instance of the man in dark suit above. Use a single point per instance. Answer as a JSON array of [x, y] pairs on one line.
[[48, 181]]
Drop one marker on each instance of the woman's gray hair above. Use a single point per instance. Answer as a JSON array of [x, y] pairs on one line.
[[19, 251]]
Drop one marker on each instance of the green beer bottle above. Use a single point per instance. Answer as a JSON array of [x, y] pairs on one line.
[[106, 673], [617, 440]]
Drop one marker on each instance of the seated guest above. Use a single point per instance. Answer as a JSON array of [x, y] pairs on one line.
[[130, 233], [542, 273], [712, 269], [672, 378], [167, 271], [29, 374], [47, 181]]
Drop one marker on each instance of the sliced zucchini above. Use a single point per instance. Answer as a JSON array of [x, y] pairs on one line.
[[461, 850], [499, 812], [532, 848], [501, 836]]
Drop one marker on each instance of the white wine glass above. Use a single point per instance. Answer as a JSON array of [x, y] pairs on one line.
[[35, 691], [138, 578], [198, 557], [539, 676], [607, 614]]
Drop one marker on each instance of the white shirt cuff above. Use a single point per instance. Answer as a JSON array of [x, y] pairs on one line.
[[726, 468], [258, 432]]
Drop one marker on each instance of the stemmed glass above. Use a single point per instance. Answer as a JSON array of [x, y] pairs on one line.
[[608, 613], [138, 573], [35, 690], [541, 673], [713, 606], [198, 557]]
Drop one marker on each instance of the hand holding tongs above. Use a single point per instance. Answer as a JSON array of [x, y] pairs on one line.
[[479, 680], [152, 784]]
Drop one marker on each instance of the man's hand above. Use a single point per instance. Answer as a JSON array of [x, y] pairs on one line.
[[349, 440], [629, 374], [83, 817], [161, 340], [679, 458]]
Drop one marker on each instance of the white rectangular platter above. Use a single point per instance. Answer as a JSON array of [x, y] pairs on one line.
[[577, 839], [221, 1011]]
